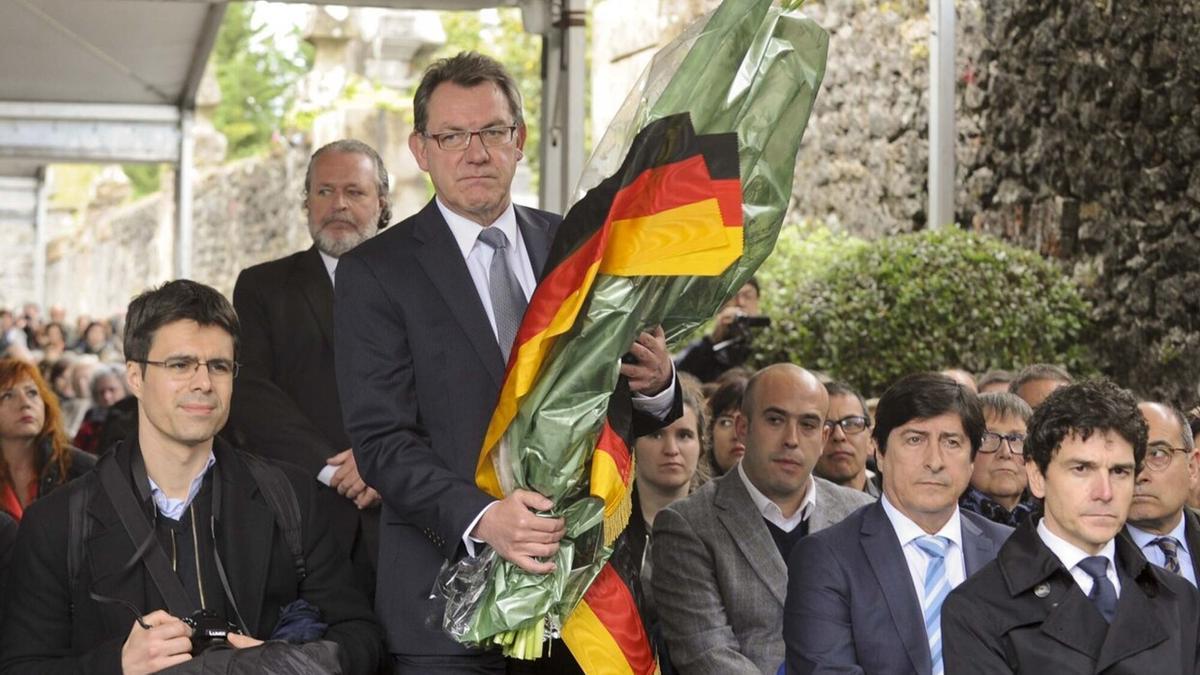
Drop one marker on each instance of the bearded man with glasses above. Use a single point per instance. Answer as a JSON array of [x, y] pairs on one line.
[[1159, 523], [999, 486]]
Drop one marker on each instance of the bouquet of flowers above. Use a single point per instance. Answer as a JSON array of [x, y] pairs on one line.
[[690, 186]]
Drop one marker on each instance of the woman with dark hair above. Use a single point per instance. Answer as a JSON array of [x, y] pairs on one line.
[[724, 448], [35, 457]]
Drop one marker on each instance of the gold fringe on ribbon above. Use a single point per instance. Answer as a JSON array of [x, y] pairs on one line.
[[616, 521]]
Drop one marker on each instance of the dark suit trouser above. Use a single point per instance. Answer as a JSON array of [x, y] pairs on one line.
[[473, 664]]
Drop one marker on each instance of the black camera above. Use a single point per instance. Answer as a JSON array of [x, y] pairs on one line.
[[745, 322], [209, 629]]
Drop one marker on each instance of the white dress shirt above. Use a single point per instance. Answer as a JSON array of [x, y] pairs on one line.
[[918, 562], [1070, 555], [771, 511], [1155, 554]]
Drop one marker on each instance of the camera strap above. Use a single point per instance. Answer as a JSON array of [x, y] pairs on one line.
[[133, 519]]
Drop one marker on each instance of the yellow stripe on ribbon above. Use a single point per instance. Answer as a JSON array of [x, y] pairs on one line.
[[592, 645], [690, 240]]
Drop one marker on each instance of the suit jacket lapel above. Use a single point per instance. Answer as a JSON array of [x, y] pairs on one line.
[[977, 549], [246, 527], [537, 240], [741, 518], [1136, 626], [443, 262], [882, 551], [1191, 531], [313, 280]]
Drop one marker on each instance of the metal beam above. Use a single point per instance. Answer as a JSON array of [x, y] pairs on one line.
[[204, 45], [444, 5], [39, 236], [563, 64], [184, 175], [89, 132], [942, 134]]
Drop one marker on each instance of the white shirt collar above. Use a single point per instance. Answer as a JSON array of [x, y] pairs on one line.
[[1070, 554], [466, 232], [1143, 538], [330, 265], [771, 511], [907, 530], [174, 508]]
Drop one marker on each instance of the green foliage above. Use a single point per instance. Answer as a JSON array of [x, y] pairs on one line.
[[145, 178], [870, 313], [521, 53], [257, 81]]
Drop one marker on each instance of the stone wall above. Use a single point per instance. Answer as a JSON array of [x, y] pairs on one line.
[[244, 212], [16, 272], [1093, 137]]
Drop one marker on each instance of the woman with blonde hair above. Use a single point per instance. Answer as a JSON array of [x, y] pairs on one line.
[[35, 456]]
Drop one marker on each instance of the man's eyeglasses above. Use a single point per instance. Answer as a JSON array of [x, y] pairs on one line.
[[491, 137], [185, 367], [852, 424], [1159, 456], [991, 442]]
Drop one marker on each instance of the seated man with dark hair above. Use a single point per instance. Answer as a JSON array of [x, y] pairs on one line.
[[1069, 594], [865, 595], [176, 536], [849, 446]]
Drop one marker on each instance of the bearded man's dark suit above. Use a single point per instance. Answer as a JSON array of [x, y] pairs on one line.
[[419, 371], [285, 399]]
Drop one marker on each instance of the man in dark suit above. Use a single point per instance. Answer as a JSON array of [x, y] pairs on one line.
[[865, 595], [720, 571], [209, 537], [1069, 594], [285, 402], [1159, 522], [425, 318]]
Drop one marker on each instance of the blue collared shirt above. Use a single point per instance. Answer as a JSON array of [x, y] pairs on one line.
[[174, 508], [1155, 554]]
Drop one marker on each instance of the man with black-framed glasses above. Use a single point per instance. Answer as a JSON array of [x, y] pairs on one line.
[[844, 458], [175, 525], [999, 486], [1159, 522]]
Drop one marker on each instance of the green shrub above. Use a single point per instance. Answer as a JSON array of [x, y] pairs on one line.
[[870, 313]]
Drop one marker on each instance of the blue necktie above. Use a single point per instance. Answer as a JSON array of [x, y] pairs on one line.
[[1103, 594], [937, 587], [508, 300]]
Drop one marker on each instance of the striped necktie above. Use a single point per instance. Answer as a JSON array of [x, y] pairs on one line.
[[1170, 549], [937, 587]]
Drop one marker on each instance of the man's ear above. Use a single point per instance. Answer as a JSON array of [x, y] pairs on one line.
[[741, 426], [1037, 482], [134, 378], [417, 146]]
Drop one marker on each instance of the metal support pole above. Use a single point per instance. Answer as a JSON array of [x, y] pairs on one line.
[[942, 134], [184, 174], [575, 44], [550, 191], [39, 236]]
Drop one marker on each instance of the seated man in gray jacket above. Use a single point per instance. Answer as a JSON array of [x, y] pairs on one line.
[[720, 576]]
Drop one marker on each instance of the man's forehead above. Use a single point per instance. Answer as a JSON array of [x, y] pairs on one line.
[[1102, 445], [845, 404], [1161, 423], [187, 337], [452, 104], [325, 171], [948, 422]]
